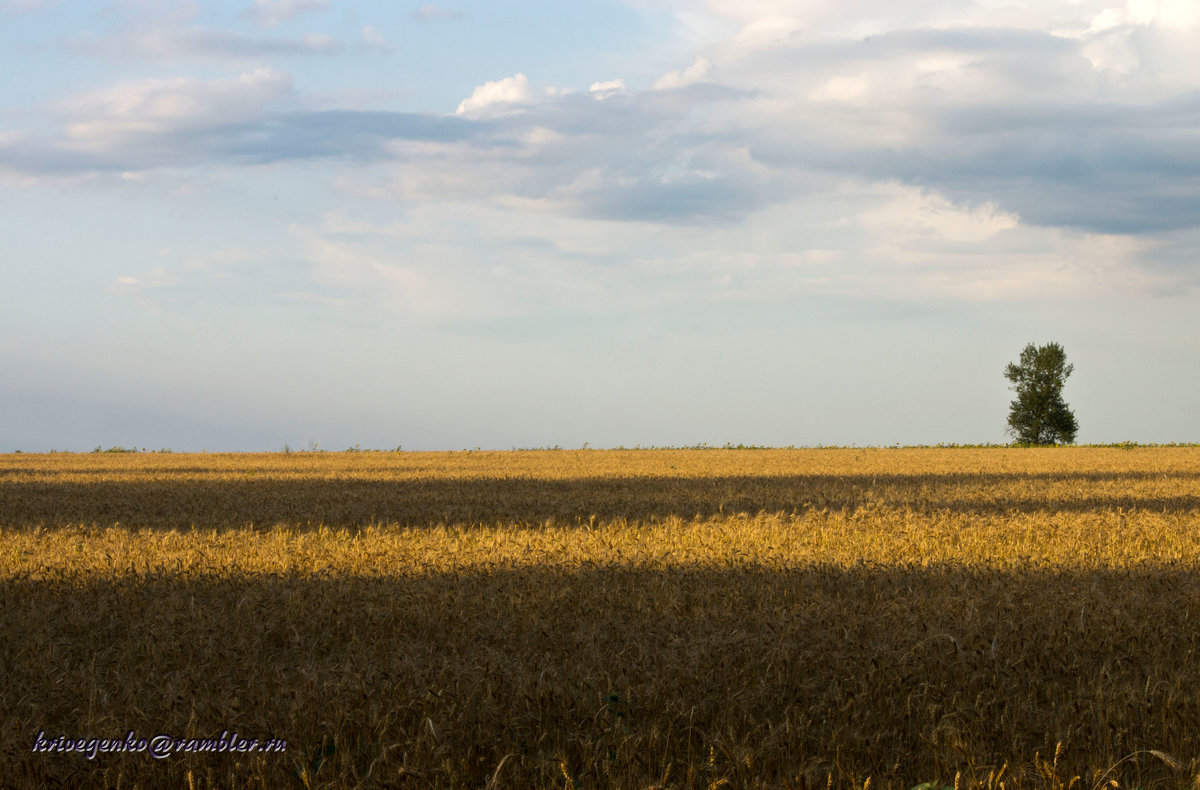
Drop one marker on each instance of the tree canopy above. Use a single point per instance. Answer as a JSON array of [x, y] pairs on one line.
[[1039, 415]]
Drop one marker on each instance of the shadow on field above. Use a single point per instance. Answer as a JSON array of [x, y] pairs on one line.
[[612, 676], [141, 502]]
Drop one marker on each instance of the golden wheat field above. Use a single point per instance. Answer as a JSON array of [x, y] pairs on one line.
[[602, 619]]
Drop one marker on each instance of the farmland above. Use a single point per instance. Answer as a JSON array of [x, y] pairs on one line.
[[630, 619]]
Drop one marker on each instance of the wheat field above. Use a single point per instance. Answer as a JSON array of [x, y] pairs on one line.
[[995, 617]]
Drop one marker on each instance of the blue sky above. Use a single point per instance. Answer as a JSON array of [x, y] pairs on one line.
[[241, 225]]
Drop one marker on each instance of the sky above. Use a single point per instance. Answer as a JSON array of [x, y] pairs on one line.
[[245, 225]]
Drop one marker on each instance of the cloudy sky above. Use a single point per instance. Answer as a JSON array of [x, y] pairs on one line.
[[239, 225]]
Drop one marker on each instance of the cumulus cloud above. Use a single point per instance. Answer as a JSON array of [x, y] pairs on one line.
[[498, 96], [144, 110], [679, 79], [593, 154], [148, 109], [606, 88], [912, 215], [767, 33], [253, 118], [974, 105]]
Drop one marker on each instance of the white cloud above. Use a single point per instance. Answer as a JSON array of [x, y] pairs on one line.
[[497, 96], [842, 89], [1107, 19], [1174, 14], [913, 215], [540, 137], [679, 79], [768, 33], [1005, 120], [1142, 33], [602, 90], [139, 110], [1112, 50]]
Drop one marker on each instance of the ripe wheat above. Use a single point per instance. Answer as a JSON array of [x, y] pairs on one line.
[[966, 617]]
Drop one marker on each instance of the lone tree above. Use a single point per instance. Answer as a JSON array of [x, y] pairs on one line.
[[1039, 415]]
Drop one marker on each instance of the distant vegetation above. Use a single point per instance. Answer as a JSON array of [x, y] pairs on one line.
[[1039, 415], [288, 449]]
